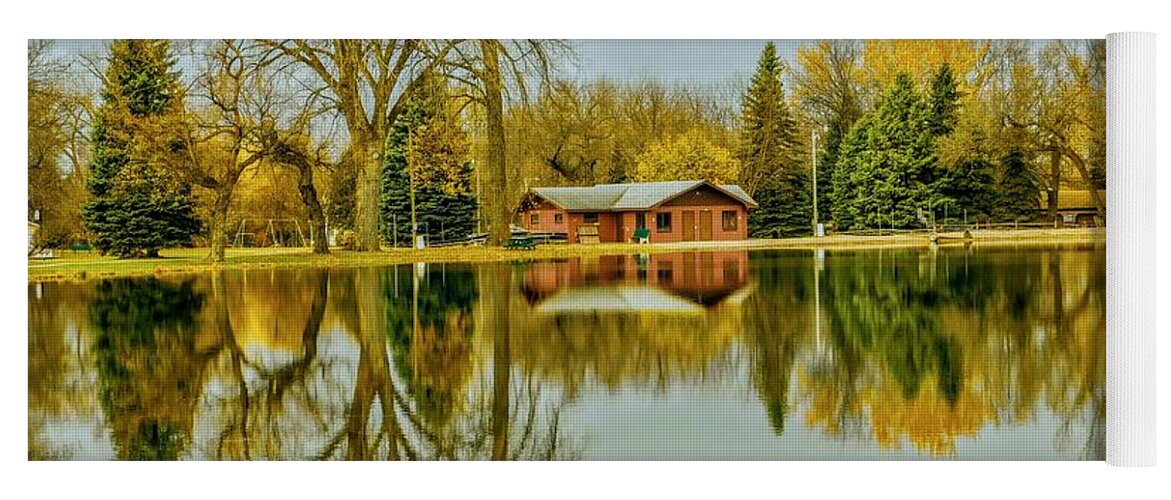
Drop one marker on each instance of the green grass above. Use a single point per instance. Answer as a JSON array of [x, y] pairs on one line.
[[81, 265]]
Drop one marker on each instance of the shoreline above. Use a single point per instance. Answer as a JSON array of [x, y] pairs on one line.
[[81, 266]]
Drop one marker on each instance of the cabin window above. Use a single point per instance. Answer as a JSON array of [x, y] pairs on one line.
[[535, 219], [731, 218], [640, 221], [663, 222], [590, 217], [558, 218]]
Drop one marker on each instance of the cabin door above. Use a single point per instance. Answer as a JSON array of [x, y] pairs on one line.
[[689, 225], [705, 225]]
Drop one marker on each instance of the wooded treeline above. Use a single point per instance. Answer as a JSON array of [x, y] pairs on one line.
[[338, 134]]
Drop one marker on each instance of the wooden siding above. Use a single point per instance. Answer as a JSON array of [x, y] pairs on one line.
[[702, 196], [703, 203]]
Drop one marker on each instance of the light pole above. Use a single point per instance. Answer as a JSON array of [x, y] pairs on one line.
[[816, 226], [411, 183], [479, 201]]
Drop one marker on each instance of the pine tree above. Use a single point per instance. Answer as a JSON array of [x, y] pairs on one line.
[[769, 131], [770, 171], [969, 180], [430, 137], [827, 160], [1017, 189], [945, 101], [137, 206], [784, 208], [888, 174]]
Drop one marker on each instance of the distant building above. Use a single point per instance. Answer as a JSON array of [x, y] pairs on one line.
[[1075, 207], [33, 228], [666, 211]]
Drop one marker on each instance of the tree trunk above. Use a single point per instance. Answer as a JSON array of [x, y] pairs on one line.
[[367, 151], [219, 222], [494, 111], [316, 216], [1054, 185], [373, 370], [227, 336], [501, 358]]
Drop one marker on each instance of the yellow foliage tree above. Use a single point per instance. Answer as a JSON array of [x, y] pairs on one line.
[[687, 156], [885, 59]]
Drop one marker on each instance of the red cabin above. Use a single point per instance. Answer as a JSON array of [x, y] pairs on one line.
[[667, 211]]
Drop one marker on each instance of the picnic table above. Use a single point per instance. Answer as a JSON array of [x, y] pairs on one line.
[[520, 242]]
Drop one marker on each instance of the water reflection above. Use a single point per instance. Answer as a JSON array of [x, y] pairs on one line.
[[952, 353]]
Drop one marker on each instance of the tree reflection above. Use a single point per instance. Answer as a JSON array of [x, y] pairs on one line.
[[148, 368], [776, 320], [430, 323], [262, 388], [955, 340], [60, 371], [909, 349]]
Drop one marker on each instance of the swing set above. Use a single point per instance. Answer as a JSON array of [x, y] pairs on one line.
[[274, 233]]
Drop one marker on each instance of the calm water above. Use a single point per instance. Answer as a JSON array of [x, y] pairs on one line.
[[959, 353]]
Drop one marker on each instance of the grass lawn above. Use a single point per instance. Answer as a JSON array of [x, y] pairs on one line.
[[71, 265]]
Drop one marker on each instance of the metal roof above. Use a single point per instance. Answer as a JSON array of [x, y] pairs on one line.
[[633, 196]]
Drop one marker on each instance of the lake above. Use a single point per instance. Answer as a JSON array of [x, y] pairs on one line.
[[977, 352]]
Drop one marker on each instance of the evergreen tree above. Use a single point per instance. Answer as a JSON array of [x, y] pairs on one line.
[[769, 134], [1017, 189], [888, 174], [770, 171], [137, 206], [427, 138], [969, 173], [785, 208], [971, 188], [829, 146], [945, 101]]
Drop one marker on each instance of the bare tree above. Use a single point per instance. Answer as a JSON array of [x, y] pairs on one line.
[[238, 127], [487, 69], [1065, 114], [214, 145], [295, 148], [367, 82]]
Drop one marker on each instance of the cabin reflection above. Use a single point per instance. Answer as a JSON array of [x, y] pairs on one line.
[[681, 282]]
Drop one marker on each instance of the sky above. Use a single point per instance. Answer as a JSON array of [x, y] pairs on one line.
[[703, 63]]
